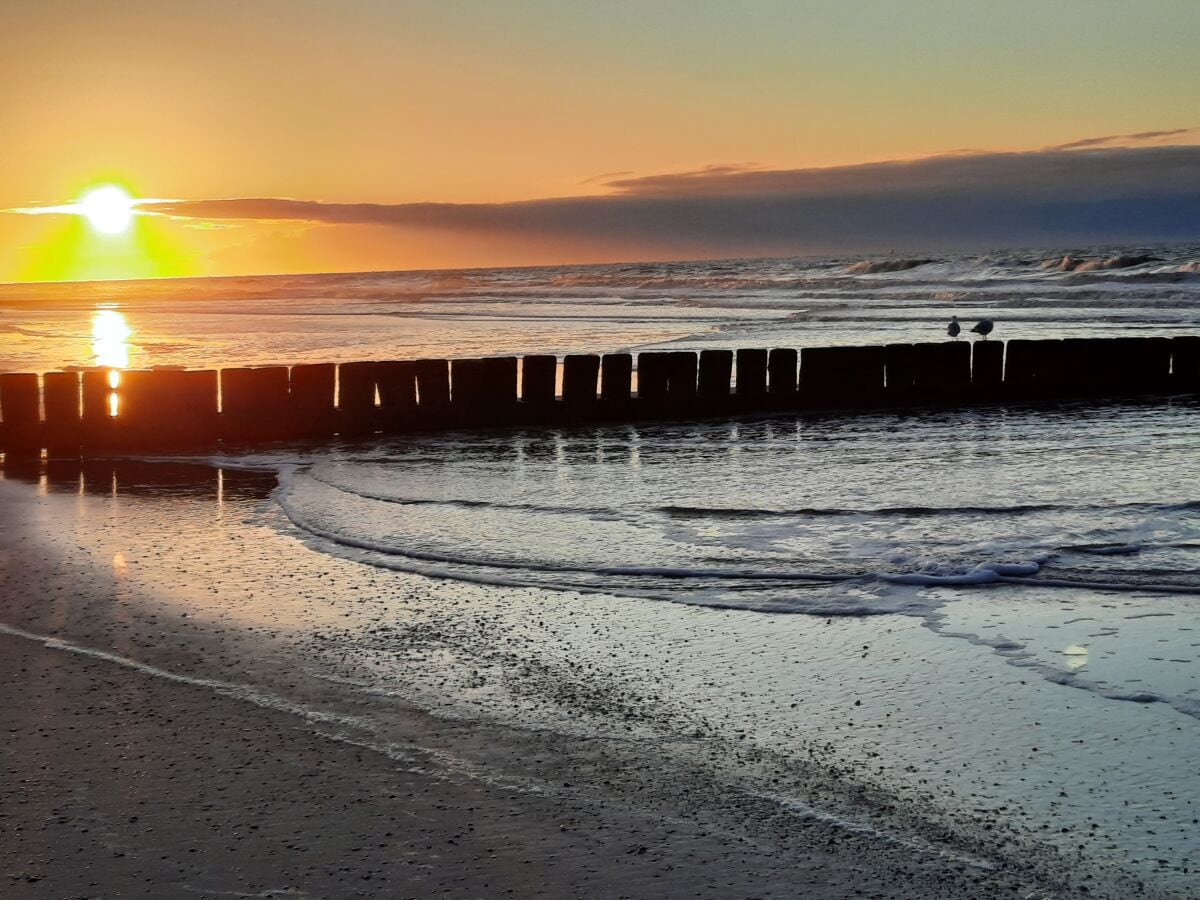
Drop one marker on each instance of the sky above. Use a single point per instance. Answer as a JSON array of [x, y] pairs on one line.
[[267, 136]]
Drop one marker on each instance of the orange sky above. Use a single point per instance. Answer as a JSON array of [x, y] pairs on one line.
[[367, 101]]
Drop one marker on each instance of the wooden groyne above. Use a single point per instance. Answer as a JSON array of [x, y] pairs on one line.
[[97, 411]]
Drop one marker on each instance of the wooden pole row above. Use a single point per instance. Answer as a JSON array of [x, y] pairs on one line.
[[97, 410]]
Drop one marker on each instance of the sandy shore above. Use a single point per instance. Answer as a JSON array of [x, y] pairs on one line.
[[121, 784], [126, 779]]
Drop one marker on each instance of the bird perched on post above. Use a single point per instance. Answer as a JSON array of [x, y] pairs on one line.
[[954, 329], [984, 327]]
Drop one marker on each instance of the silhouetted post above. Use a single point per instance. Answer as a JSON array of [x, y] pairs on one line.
[[96, 413], [1185, 363], [538, 374], [716, 376], [783, 374], [433, 390], [942, 371], [310, 400], [750, 379], [616, 378], [468, 392], [500, 385], [64, 424], [357, 412], [900, 372], [129, 428], [195, 393], [653, 376], [254, 403], [396, 381], [987, 367], [19, 406], [681, 376], [581, 372]]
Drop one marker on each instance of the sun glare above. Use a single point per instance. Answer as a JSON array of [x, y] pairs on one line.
[[109, 209]]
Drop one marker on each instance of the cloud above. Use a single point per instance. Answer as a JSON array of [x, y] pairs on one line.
[[1044, 171], [603, 177], [1053, 196], [1138, 137]]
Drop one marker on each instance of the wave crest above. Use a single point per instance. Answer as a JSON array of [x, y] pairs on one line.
[[876, 266]]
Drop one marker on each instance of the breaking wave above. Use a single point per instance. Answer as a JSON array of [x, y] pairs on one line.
[[877, 266]]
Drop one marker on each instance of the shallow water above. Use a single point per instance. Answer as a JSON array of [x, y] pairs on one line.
[[735, 303]]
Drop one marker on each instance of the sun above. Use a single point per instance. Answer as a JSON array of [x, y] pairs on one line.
[[108, 209]]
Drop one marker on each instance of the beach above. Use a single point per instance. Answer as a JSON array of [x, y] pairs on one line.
[[179, 635], [908, 653], [157, 769]]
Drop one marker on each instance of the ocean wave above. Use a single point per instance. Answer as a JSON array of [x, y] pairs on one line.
[[1070, 263], [759, 587], [721, 512], [877, 266]]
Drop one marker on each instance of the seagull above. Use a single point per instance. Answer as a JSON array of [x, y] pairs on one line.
[[984, 327], [954, 329]]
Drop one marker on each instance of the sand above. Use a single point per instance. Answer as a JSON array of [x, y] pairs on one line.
[[132, 780], [119, 784]]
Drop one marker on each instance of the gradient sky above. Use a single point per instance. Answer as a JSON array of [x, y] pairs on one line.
[[490, 105]]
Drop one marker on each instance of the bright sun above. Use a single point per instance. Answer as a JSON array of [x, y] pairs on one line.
[[108, 209]]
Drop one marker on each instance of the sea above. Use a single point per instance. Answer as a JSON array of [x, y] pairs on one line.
[[973, 631]]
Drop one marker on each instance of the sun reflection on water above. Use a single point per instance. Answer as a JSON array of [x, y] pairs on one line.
[[110, 339], [110, 347]]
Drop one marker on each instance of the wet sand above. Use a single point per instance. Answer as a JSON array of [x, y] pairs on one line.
[[122, 784], [136, 779]]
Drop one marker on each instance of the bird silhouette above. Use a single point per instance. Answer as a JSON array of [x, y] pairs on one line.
[[954, 329], [984, 327]]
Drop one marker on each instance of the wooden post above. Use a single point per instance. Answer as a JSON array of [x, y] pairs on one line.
[[310, 400], [783, 373], [900, 372], [19, 406], [681, 376], [653, 375], [396, 381], [716, 374], [987, 367], [616, 378], [433, 390], [580, 375], [254, 404], [538, 373], [62, 406], [750, 379], [500, 385], [1185, 364]]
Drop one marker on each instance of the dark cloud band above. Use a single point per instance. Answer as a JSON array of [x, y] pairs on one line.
[[1093, 195]]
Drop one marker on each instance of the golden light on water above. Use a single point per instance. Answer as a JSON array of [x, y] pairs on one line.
[[110, 339], [110, 348]]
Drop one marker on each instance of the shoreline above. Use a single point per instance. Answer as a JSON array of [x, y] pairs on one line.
[[576, 814]]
